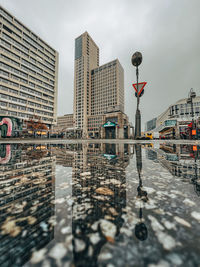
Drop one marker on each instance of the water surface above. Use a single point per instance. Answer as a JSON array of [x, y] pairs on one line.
[[99, 205]]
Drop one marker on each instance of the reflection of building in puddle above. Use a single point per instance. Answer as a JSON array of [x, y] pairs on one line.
[[181, 160], [27, 190], [99, 193], [150, 154], [5, 154], [65, 153]]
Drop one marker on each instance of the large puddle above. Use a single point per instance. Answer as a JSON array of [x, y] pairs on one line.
[[99, 205]]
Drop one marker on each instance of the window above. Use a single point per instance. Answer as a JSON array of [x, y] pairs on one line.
[[78, 47]]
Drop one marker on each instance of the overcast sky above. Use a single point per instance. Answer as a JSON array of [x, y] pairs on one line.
[[166, 32]]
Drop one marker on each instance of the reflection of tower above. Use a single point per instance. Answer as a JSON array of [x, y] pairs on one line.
[[141, 231], [27, 191], [99, 193]]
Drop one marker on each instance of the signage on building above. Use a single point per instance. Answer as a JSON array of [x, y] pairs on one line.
[[194, 132], [170, 123], [109, 157], [194, 148], [184, 123], [171, 157], [109, 124]]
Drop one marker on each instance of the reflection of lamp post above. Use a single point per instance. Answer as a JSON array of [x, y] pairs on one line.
[[136, 61], [191, 95], [141, 231], [195, 178]]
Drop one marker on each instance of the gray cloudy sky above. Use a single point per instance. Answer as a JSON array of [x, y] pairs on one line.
[[167, 32]]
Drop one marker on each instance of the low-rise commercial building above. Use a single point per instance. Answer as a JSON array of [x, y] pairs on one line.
[[173, 122], [113, 124], [116, 126], [64, 122]]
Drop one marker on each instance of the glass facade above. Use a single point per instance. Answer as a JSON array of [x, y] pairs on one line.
[[78, 47], [112, 119], [150, 125]]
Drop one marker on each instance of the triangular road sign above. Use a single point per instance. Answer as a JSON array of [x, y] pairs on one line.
[[140, 87]]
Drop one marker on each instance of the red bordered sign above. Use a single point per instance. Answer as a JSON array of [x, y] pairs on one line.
[[140, 87]]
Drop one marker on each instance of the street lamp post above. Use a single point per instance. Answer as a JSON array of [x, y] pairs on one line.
[[191, 95], [136, 61]]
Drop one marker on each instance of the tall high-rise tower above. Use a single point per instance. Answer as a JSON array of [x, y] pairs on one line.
[[97, 89], [86, 59]]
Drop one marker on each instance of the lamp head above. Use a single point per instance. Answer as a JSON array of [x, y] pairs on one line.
[[136, 59]]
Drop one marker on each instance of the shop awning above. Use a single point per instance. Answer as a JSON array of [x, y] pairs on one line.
[[166, 128], [109, 156], [109, 124]]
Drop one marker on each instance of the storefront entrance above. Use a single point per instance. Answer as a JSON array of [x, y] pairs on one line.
[[110, 129], [110, 133], [125, 132]]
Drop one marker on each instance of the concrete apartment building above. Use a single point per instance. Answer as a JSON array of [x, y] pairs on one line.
[[97, 89], [28, 74]]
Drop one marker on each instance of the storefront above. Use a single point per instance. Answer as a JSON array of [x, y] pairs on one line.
[[116, 126], [110, 130]]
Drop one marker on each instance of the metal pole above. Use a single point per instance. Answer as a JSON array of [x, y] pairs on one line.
[[192, 116], [138, 99], [192, 110], [136, 61], [137, 115]]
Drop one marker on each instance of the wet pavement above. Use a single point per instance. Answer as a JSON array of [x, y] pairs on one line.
[[99, 204]]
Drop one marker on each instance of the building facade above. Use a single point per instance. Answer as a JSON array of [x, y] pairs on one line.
[[175, 118], [116, 126], [107, 88], [110, 125], [64, 122], [28, 73], [86, 59], [97, 89], [150, 125]]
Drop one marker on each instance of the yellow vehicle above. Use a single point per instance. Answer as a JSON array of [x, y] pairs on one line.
[[149, 136]]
